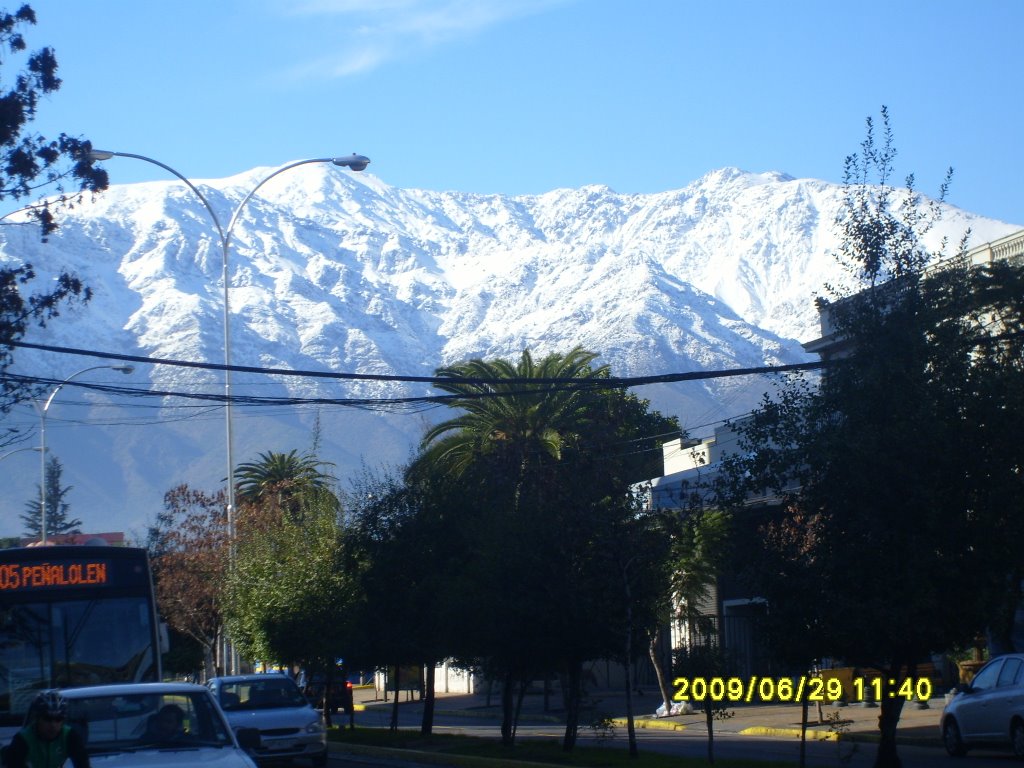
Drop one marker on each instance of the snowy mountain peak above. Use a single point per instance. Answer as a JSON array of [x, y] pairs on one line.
[[338, 271]]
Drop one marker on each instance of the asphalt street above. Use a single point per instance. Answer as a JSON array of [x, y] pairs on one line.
[[835, 735]]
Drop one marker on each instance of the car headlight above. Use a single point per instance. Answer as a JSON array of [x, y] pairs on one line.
[[315, 727]]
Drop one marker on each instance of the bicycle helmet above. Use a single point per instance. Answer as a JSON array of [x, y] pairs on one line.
[[49, 704]]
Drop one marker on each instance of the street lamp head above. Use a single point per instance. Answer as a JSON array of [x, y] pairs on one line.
[[355, 162], [125, 369], [99, 154]]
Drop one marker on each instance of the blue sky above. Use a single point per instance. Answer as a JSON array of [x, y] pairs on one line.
[[525, 96]]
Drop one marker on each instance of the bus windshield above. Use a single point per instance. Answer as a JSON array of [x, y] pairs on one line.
[[73, 616]]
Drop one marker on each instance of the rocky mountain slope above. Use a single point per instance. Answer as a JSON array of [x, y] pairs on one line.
[[335, 271]]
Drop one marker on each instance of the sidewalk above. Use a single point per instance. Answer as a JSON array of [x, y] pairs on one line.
[[854, 722], [850, 723]]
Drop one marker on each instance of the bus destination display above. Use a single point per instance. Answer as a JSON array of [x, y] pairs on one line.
[[30, 576]]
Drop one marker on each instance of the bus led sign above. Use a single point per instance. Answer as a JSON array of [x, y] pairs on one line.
[[29, 576]]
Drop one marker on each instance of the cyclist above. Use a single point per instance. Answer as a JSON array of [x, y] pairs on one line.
[[46, 741]]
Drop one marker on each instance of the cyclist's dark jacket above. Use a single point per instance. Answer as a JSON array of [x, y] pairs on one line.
[[27, 750]]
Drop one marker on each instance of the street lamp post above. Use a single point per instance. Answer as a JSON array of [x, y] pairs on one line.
[[126, 369], [353, 162]]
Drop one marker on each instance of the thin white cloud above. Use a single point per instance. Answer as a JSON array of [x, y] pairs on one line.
[[352, 61], [378, 31]]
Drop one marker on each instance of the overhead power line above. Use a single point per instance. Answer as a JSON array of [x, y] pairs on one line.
[[614, 382]]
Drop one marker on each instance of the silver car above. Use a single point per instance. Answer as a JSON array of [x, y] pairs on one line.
[[989, 711], [155, 724], [289, 727]]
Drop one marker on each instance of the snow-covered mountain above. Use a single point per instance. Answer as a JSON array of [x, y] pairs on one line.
[[335, 271]]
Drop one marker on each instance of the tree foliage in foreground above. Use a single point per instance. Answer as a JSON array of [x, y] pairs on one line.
[[547, 467], [290, 596], [409, 539], [28, 162], [199, 569], [188, 548], [899, 475]]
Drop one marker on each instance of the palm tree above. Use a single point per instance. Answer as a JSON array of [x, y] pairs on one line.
[[509, 422], [285, 478], [537, 453], [515, 427]]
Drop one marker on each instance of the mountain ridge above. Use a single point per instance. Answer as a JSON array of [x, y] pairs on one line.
[[339, 271]]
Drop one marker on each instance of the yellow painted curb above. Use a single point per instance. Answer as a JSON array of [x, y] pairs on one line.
[[654, 725], [812, 735]]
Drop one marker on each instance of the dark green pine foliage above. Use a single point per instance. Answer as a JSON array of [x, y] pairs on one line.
[[58, 519]]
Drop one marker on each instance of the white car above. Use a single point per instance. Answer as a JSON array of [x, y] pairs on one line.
[[990, 711], [156, 724], [289, 727]]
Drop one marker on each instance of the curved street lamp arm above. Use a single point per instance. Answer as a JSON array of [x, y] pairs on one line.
[[353, 162], [17, 450], [238, 209], [100, 154], [42, 436], [74, 375]]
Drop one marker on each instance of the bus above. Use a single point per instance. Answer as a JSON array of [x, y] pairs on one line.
[[74, 615]]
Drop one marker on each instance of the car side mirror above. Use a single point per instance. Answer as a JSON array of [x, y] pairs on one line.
[[248, 738]]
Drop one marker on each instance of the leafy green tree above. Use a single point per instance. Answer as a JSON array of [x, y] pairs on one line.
[[57, 508], [636, 550], [980, 330], [706, 659], [29, 161], [699, 542], [511, 432], [699, 546], [605, 575], [291, 595], [404, 527], [547, 453], [884, 470]]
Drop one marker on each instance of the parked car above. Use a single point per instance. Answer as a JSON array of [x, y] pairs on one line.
[[272, 703], [989, 711], [339, 696], [121, 726]]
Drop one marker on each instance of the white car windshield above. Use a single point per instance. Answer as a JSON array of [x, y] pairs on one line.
[[265, 692], [135, 722]]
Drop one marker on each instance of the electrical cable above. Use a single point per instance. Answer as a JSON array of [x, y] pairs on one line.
[[491, 387]]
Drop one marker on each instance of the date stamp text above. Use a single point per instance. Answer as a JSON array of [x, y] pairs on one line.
[[797, 689]]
